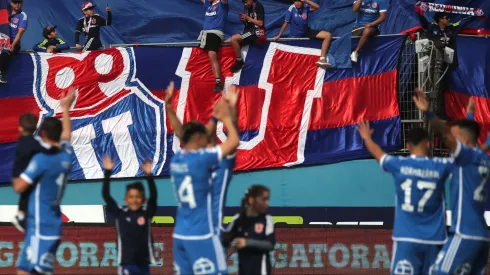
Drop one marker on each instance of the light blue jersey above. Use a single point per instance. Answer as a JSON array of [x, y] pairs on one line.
[[48, 173], [420, 210], [469, 193], [191, 177], [222, 175]]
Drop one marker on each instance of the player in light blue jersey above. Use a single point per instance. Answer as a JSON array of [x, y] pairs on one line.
[[222, 173], [197, 248], [466, 251], [420, 224], [47, 174]]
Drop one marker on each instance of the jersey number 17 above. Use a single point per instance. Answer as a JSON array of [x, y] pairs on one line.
[[421, 185]]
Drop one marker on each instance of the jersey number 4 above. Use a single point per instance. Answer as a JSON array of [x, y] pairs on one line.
[[421, 185], [186, 192]]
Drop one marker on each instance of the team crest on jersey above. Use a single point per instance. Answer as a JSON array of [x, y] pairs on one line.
[[479, 12], [259, 228], [113, 114], [214, 8], [141, 220], [15, 20], [374, 5], [94, 21], [304, 16]]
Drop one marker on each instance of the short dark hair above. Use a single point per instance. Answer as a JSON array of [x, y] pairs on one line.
[[52, 128], [137, 186], [417, 135], [470, 126], [28, 122], [190, 129], [439, 15]]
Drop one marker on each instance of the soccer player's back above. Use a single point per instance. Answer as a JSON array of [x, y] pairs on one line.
[[467, 248], [420, 226], [466, 251], [47, 174], [196, 247]]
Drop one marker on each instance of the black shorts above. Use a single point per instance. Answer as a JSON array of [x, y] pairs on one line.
[[311, 33], [213, 42], [249, 37], [359, 32]]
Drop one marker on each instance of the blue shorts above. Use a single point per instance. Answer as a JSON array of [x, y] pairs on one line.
[[413, 258], [199, 257], [133, 270], [462, 256], [38, 255]]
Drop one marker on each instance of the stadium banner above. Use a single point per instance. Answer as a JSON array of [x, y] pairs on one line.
[[470, 79], [92, 250], [290, 111]]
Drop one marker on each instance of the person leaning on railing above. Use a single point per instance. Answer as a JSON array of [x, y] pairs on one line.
[[52, 43]]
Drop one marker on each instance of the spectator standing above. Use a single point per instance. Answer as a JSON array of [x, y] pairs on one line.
[[52, 44], [90, 26], [18, 26], [370, 14], [213, 34], [253, 32], [297, 17]]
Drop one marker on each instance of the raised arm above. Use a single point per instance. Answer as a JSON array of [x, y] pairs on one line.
[[152, 200], [366, 134], [108, 22], [106, 193], [440, 127], [222, 112], [66, 103], [357, 5], [172, 116], [313, 6]]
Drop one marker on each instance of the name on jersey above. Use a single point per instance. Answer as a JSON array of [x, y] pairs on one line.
[[213, 13], [422, 173], [369, 10], [179, 167]]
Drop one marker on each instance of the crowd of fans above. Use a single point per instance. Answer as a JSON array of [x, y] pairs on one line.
[[370, 14], [89, 25]]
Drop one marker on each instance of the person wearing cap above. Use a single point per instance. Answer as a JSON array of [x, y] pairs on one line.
[[18, 26], [442, 31], [52, 44], [90, 26]]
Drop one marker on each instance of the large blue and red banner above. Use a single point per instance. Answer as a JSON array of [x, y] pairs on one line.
[[471, 79], [290, 111]]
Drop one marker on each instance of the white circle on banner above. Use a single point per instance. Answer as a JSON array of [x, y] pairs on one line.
[[64, 78], [103, 63]]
